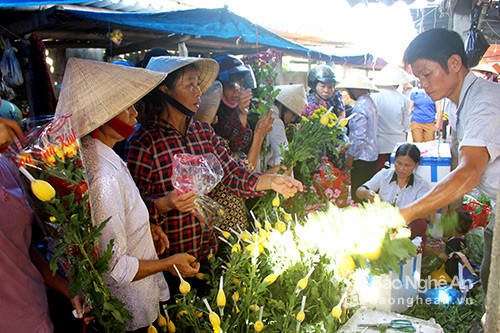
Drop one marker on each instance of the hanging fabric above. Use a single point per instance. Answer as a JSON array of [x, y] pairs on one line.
[[39, 88]]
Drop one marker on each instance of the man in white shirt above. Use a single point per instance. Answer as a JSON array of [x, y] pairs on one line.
[[393, 111], [437, 57]]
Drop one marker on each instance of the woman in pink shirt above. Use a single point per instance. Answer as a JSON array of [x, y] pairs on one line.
[[23, 270]]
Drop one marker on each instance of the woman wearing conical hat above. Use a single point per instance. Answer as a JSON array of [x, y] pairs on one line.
[[393, 110], [172, 130], [287, 109], [236, 216], [100, 97], [363, 153]]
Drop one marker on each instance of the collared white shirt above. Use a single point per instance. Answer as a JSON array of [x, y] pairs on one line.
[[114, 194], [394, 118], [478, 125], [385, 184], [363, 130]]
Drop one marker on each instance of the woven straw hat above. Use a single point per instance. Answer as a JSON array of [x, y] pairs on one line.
[[357, 82], [293, 96], [95, 92], [391, 75], [485, 68], [208, 68], [209, 103]]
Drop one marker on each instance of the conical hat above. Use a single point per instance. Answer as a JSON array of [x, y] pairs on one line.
[[357, 82], [293, 96], [208, 69], [391, 75], [209, 103], [95, 92], [485, 68]]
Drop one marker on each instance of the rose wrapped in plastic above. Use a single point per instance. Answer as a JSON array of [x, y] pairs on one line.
[[199, 173], [50, 159]]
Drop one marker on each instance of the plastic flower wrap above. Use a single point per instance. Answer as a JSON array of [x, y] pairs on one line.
[[50, 159], [199, 173]]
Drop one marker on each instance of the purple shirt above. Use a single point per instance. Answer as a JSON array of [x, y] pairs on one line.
[[23, 302], [363, 130]]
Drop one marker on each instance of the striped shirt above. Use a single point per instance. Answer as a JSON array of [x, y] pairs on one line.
[[150, 157]]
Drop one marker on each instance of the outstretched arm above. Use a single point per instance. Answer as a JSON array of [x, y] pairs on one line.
[[460, 181], [284, 185]]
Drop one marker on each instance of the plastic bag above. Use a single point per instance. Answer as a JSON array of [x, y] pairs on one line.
[[430, 263], [476, 45], [443, 295], [199, 173], [11, 70], [475, 243]]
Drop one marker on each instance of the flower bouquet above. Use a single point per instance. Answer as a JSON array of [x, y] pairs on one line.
[[265, 68], [317, 132], [50, 159]]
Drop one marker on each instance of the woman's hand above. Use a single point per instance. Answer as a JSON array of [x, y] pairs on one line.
[[278, 168], [185, 263], [182, 202], [370, 196], [160, 239], [348, 162], [80, 305], [286, 186], [8, 129], [244, 101], [264, 125]]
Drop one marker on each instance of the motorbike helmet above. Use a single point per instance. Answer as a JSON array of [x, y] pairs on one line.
[[321, 73], [233, 70]]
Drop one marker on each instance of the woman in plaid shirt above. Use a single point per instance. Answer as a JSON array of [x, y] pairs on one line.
[[170, 131]]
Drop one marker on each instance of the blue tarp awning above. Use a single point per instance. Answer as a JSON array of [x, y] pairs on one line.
[[219, 22], [21, 3]]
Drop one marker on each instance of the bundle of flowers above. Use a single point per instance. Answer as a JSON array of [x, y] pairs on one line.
[[294, 275], [265, 68], [312, 137], [50, 159]]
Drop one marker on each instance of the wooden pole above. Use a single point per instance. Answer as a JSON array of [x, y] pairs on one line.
[[493, 295]]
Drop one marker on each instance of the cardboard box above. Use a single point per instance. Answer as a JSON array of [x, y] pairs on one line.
[[435, 160], [389, 292]]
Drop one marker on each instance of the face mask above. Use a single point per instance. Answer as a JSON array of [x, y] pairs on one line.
[[121, 127], [172, 101]]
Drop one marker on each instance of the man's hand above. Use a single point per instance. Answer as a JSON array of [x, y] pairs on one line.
[[185, 263], [160, 239]]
